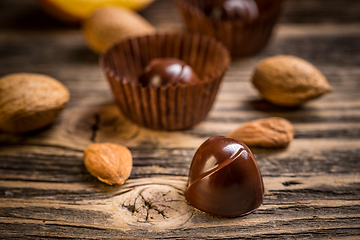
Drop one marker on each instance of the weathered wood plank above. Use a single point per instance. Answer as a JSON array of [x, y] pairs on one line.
[[78, 127], [76, 211], [300, 159], [310, 11]]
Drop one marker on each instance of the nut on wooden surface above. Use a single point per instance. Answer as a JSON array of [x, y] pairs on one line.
[[289, 81], [108, 25], [108, 162], [30, 101], [273, 132]]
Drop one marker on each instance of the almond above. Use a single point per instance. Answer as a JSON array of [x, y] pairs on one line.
[[274, 132], [108, 162], [108, 25], [30, 101], [289, 81]]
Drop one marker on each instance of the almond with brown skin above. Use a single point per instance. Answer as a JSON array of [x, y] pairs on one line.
[[108, 162], [30, 101], [289, 81], [274, 132], [108, 25]]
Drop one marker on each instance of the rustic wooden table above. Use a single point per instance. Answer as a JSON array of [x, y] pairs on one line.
[[312, 187]]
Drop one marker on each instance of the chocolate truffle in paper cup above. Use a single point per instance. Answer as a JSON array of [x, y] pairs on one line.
[[244, 26], [166, 81]]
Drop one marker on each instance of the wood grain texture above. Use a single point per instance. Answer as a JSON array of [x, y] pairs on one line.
[[312, 187]]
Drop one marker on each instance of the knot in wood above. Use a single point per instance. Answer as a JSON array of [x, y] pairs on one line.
[[158, 205]]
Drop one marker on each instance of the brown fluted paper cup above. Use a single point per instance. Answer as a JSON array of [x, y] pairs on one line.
[[241, 37], [172, 107]]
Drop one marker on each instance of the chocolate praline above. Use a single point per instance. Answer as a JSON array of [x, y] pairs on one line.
[[224, 10], [167, 71], [224, 179]]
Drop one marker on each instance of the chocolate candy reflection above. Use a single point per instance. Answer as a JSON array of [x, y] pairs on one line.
[[246, 10], [165, 71], [224, 179]]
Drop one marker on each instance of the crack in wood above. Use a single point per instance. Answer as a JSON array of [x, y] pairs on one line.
[[95, 127], [158, 205], [288, 183]]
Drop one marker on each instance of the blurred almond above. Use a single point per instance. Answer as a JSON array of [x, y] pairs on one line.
[[108, 25], [274, 132]]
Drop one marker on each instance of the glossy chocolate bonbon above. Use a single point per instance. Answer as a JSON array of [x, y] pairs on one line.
[[246, 10], [224, 179], [167, 71]]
